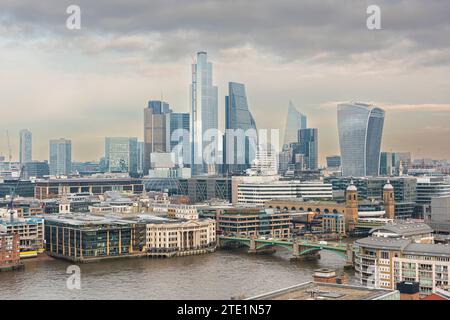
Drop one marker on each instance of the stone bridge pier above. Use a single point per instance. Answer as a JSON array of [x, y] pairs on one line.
[[308, 252], [252, 248]]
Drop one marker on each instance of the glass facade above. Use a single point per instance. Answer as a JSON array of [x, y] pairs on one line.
[[360, 129], [121, 154], [294, 122], [204, 113], [308, 140], [60, 157], [154, 130], [239, 117], [177, 135], [87, 241]]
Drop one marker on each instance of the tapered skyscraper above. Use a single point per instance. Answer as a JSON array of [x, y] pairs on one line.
[[360, 130], [240, 136], [295, 121], [204, 116]]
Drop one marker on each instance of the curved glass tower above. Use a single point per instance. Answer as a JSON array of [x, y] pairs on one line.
[[294, 122], [239, 117], [360, 129]]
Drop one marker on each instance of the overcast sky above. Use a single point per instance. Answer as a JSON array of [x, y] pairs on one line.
[[90, 83]]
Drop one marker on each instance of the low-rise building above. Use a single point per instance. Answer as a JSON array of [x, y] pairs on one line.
[[55, 188], [30, 231], [254, 222], [333, 223], [382, 262], [180, 237], [175, 211], [416, 231], [258, 190], [9, 251], [328, 291], [84, 237]]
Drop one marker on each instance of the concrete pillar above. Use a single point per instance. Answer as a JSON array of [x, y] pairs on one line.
[[252, 246], [295, 249]]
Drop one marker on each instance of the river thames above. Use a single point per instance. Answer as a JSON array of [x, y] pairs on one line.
[[220, 275]]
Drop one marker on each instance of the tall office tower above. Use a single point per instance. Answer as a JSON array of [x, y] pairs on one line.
[[204, 117], [154, 130], [387, 163], [177, 137], [309, 147], [140, 157], [294, 122], [121, 155], [360, 129], [25, 146], [241, 140], [60, 157]]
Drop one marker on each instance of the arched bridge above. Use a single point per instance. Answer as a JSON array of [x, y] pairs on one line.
[[299, 248]]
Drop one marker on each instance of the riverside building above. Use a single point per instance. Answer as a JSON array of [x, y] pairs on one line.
[[383, 262], [87, 237]]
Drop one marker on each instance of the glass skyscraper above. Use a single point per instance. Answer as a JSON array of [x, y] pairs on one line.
[[360, 129], [177, 137], [204, 114], [308, 140], [60, 157], [25, 146], [238, 116], [154, 130], [121, 155], [294, 122]]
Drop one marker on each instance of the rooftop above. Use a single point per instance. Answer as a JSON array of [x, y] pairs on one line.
[[406, 246], [405, 229], [324, 291]]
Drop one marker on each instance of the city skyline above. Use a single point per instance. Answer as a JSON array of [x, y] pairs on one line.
[[110, 71]]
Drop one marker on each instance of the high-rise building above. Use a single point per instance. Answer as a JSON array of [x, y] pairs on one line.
[[60, 157], [204, 116], [140, 157], [240, 136], [392, 163], [121, 155], [25, 146], [154, 130], [360, 130], [177, 137], [308, 140], [295, 121], [387, 164], [333, 161]]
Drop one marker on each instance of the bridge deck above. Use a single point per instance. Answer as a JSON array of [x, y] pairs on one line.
[[334, 246]]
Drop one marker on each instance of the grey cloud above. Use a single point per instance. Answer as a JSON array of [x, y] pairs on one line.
[[291, 29]]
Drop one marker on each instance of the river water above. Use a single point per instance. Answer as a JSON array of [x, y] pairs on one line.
[[220, 275]]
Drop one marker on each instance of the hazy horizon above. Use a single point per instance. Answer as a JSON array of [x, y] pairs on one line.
[[88, 84]]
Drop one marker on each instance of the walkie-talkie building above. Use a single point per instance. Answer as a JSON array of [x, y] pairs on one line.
[[360, 128]]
